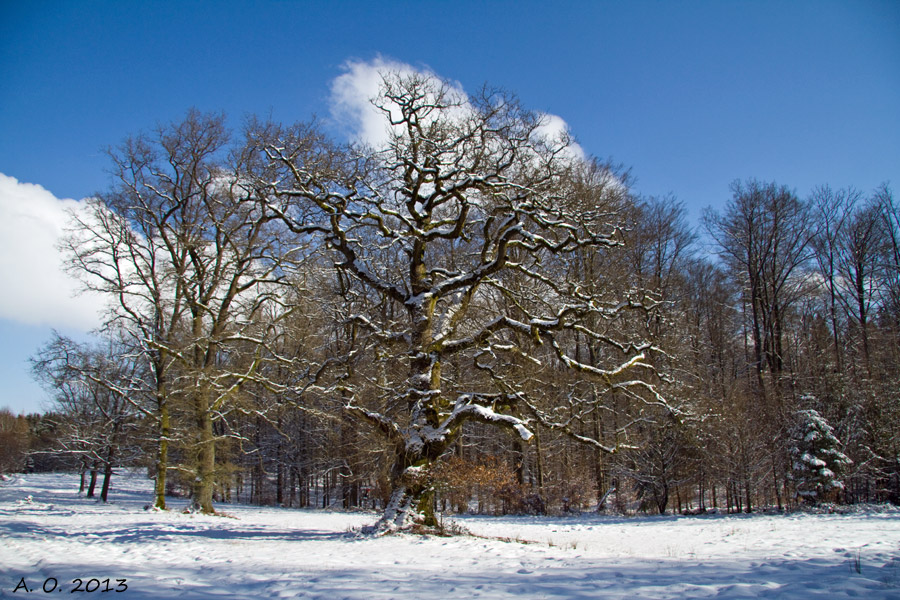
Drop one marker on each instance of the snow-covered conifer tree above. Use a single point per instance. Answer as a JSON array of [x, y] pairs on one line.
[[816, 458]]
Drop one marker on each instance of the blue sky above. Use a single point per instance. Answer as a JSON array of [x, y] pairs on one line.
[[690, 95]]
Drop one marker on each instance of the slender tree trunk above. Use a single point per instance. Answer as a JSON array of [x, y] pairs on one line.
[[838, 360], [600, 480], [293, 476], [110, 457], [747, 492], [346, 444], [701, 485], [162, 449], [539, 462], [107, 477], [162, 460], [864, 332], [93, 483], [758, 342], [279, 478], [519, 453], [775, 482], [83, 476]]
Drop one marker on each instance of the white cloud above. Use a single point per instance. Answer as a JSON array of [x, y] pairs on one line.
[[553, 128], [353, 91], [36, 290], [352, 94]]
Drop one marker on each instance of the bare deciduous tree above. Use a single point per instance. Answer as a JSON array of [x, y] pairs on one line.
[[471, 205], [192, 257]]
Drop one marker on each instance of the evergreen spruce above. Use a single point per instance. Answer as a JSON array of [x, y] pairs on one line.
[[816, 458]]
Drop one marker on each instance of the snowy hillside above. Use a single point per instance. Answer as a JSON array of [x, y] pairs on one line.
[[51, 537]]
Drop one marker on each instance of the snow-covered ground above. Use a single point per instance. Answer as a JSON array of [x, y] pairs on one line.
[[49, 536]]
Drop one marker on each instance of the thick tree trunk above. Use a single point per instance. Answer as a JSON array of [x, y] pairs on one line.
[[661, 496], [206, 457], [412, 496]]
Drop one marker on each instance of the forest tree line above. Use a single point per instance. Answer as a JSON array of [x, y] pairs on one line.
[[470, 315]]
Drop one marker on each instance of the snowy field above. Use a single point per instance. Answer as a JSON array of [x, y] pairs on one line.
[[52, 538]]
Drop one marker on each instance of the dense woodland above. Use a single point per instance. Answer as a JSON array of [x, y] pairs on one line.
[[469, 315]]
